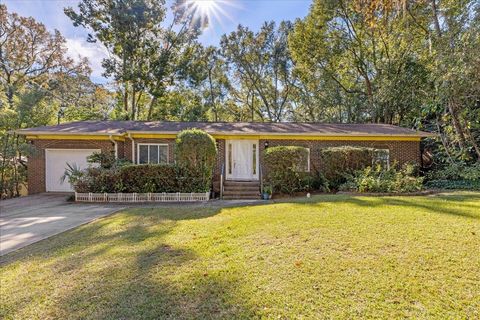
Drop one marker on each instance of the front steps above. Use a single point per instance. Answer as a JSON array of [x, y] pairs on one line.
[[235, 190]]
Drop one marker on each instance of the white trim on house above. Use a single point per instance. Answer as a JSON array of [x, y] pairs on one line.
[[308, 160], [151, 144], [242, 153]]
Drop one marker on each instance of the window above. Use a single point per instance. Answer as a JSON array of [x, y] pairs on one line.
[[382, 157], [229, 158], [254, 159], [152, 153], [304, 165]]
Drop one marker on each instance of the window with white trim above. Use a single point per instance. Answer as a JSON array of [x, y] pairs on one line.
[[382, 157], [152, 153], [304, 165]]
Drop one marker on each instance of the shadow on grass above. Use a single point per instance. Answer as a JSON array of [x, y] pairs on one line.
[[454, 204], [124, 269]]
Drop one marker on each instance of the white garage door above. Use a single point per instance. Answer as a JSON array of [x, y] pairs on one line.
[[56, 162]]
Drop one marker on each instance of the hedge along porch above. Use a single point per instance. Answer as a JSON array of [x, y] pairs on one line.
[[240, 145]]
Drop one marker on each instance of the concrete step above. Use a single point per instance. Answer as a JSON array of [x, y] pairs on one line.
[[242, 188], [241, 197], [241, 182], [248, 192]]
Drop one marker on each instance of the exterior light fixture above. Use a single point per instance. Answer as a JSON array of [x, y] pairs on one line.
[[265, 144]]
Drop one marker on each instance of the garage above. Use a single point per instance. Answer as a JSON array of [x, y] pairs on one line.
[[56, 162]]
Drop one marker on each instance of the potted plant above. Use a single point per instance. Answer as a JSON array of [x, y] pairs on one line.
[[267, 192]]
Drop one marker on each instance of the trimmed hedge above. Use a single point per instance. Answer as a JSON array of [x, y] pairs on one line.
[[143, 178], [285, 169], [196, 154], [150, 178], [338, 162]]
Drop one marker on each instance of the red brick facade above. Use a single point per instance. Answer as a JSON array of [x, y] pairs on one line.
[[36, 161], [401, 151]]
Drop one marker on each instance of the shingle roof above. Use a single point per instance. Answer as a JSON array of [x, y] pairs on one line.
[[280, 128]]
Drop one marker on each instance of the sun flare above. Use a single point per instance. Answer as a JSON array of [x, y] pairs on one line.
[[206, 7], [209, 11]]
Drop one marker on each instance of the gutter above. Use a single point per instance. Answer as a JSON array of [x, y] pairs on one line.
[[115, 144], [129, 136]]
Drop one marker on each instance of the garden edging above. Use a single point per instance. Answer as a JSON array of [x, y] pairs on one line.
[[142, 197]]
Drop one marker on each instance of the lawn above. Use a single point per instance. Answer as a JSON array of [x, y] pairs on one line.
[[335, 257]]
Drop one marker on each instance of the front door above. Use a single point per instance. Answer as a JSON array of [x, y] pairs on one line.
[[242, 159]]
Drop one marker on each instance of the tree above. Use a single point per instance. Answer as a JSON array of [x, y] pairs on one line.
[[261, 65], [145, 57], [374, 66], [34, 73]]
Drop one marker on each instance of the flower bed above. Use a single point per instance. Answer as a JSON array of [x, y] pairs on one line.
[[142, 197]]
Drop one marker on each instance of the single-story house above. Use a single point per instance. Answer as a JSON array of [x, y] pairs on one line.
[[241, 145]]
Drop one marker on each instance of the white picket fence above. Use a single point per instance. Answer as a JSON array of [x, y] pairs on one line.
[[142, 197]]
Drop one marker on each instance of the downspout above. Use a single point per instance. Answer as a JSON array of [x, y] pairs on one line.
[[115, 144], [129, 136]]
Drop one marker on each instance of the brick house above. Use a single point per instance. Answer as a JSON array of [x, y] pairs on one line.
[[240, 145]]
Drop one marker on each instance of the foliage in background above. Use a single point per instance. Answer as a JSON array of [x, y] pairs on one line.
[[338, 162], [378, 179], [286, 169], [455, 176], [39, 85], [147, 55]]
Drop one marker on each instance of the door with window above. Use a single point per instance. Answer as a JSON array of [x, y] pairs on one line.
[[242, 159]]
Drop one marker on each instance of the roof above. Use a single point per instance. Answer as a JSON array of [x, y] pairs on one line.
[[231, 128]]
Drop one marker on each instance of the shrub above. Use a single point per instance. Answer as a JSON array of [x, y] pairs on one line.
[[143, 178], [99, 180], [286, 169], [107, 160], [337, 162], [150, 178], [380, 180], [454, 184], [457, 171], [196, 153]]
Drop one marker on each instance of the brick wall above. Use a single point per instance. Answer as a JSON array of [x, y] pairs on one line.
[[36, 161], [402, 151]]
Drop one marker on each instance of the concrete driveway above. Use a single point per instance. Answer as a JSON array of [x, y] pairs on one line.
[[30, 219]]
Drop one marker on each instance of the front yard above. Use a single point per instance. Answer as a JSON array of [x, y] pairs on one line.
[[325, 257]]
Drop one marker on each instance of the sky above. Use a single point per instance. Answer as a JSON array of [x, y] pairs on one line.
[[250, 13]]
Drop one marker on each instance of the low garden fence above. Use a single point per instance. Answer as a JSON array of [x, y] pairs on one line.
[[142, 197]]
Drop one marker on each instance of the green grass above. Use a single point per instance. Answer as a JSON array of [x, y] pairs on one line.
[[335, 257]]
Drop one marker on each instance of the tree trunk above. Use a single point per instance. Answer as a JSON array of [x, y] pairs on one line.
[[133, 105], [150, 108], [125, 100], [456, 124], [436, 22]]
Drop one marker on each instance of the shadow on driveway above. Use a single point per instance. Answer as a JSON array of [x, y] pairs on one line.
[[26, 220]]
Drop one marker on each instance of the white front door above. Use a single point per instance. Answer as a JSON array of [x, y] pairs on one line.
[[56, 162], [242, 159]]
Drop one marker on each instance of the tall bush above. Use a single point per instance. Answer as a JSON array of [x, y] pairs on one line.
[[286, 169], [196, 153], [378, 179], [338, 162]]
